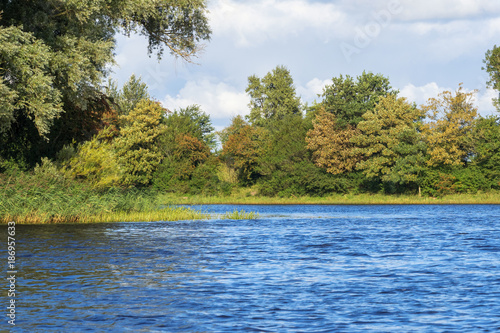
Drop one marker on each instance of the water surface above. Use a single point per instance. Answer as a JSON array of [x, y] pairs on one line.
[[314, 268]]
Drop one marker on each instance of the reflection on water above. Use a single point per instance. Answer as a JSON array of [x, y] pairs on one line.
[[297, 269]]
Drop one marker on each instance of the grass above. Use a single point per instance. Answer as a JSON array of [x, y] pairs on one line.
[[241, 215], [246, 197], [28, 199]]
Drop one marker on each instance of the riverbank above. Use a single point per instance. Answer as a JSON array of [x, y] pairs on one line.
[[246, 197], [29, 203]]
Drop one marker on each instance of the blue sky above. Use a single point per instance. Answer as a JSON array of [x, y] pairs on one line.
[[423, 47]]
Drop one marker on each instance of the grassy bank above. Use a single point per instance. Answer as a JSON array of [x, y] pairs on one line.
[[29, 199], [246, 197]]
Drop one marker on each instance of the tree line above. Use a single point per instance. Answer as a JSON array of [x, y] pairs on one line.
[[361, 136]]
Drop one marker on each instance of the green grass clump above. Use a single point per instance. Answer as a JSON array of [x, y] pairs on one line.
[[241, 215]]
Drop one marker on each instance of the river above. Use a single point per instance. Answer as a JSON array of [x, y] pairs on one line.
[[305, 268]]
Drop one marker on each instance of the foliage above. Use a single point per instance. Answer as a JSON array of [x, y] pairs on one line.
[[492, 67], [448, 134], [132, 92], [55, 54], [272, 97], [348, 99], [390, 142], [486, 141], [191, 121], [243, 146], [97, 163], [137, 146], [330, 145], [26, 81]]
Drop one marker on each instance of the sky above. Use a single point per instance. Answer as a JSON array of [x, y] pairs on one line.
[[424, 47]]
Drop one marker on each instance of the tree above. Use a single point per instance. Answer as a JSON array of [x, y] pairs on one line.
[[242, 147], [486, 143], [186, 147], [54, 54], [272, 97], [137, 146], [132, 92], [492, 67], [348, 99], [448, 133], [390, 141], [190, 120], [331, 146]]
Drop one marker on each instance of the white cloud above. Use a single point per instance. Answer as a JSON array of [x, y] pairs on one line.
[[219, 100], [484, 101], [421, 94], [447, 9], [253, 22], [312, 89]]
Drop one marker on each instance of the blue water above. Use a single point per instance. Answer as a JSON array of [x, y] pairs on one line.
[[295, 269]]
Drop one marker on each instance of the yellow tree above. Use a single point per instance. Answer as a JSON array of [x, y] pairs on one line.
[[448, 132], [330, 144]]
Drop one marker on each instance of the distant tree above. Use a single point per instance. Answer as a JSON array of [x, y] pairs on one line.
[[190, 120], [348, 99], [486, 147], [492, 67], [447, 134], [390, 141], [331, 146], [242, 148], [272, 97], [132, 92]]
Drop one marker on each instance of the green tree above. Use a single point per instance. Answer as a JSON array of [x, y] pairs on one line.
[[190, 120], [348, 99], [132, 92], [390, 141], [492, 67], [448, 133], [486, 142], [272, 97], [137, 147]]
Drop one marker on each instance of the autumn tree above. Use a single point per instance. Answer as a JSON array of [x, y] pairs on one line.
[[272, 97], [447, 134], [390, 141], [331, 146], [344, 103], [242, 148]]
